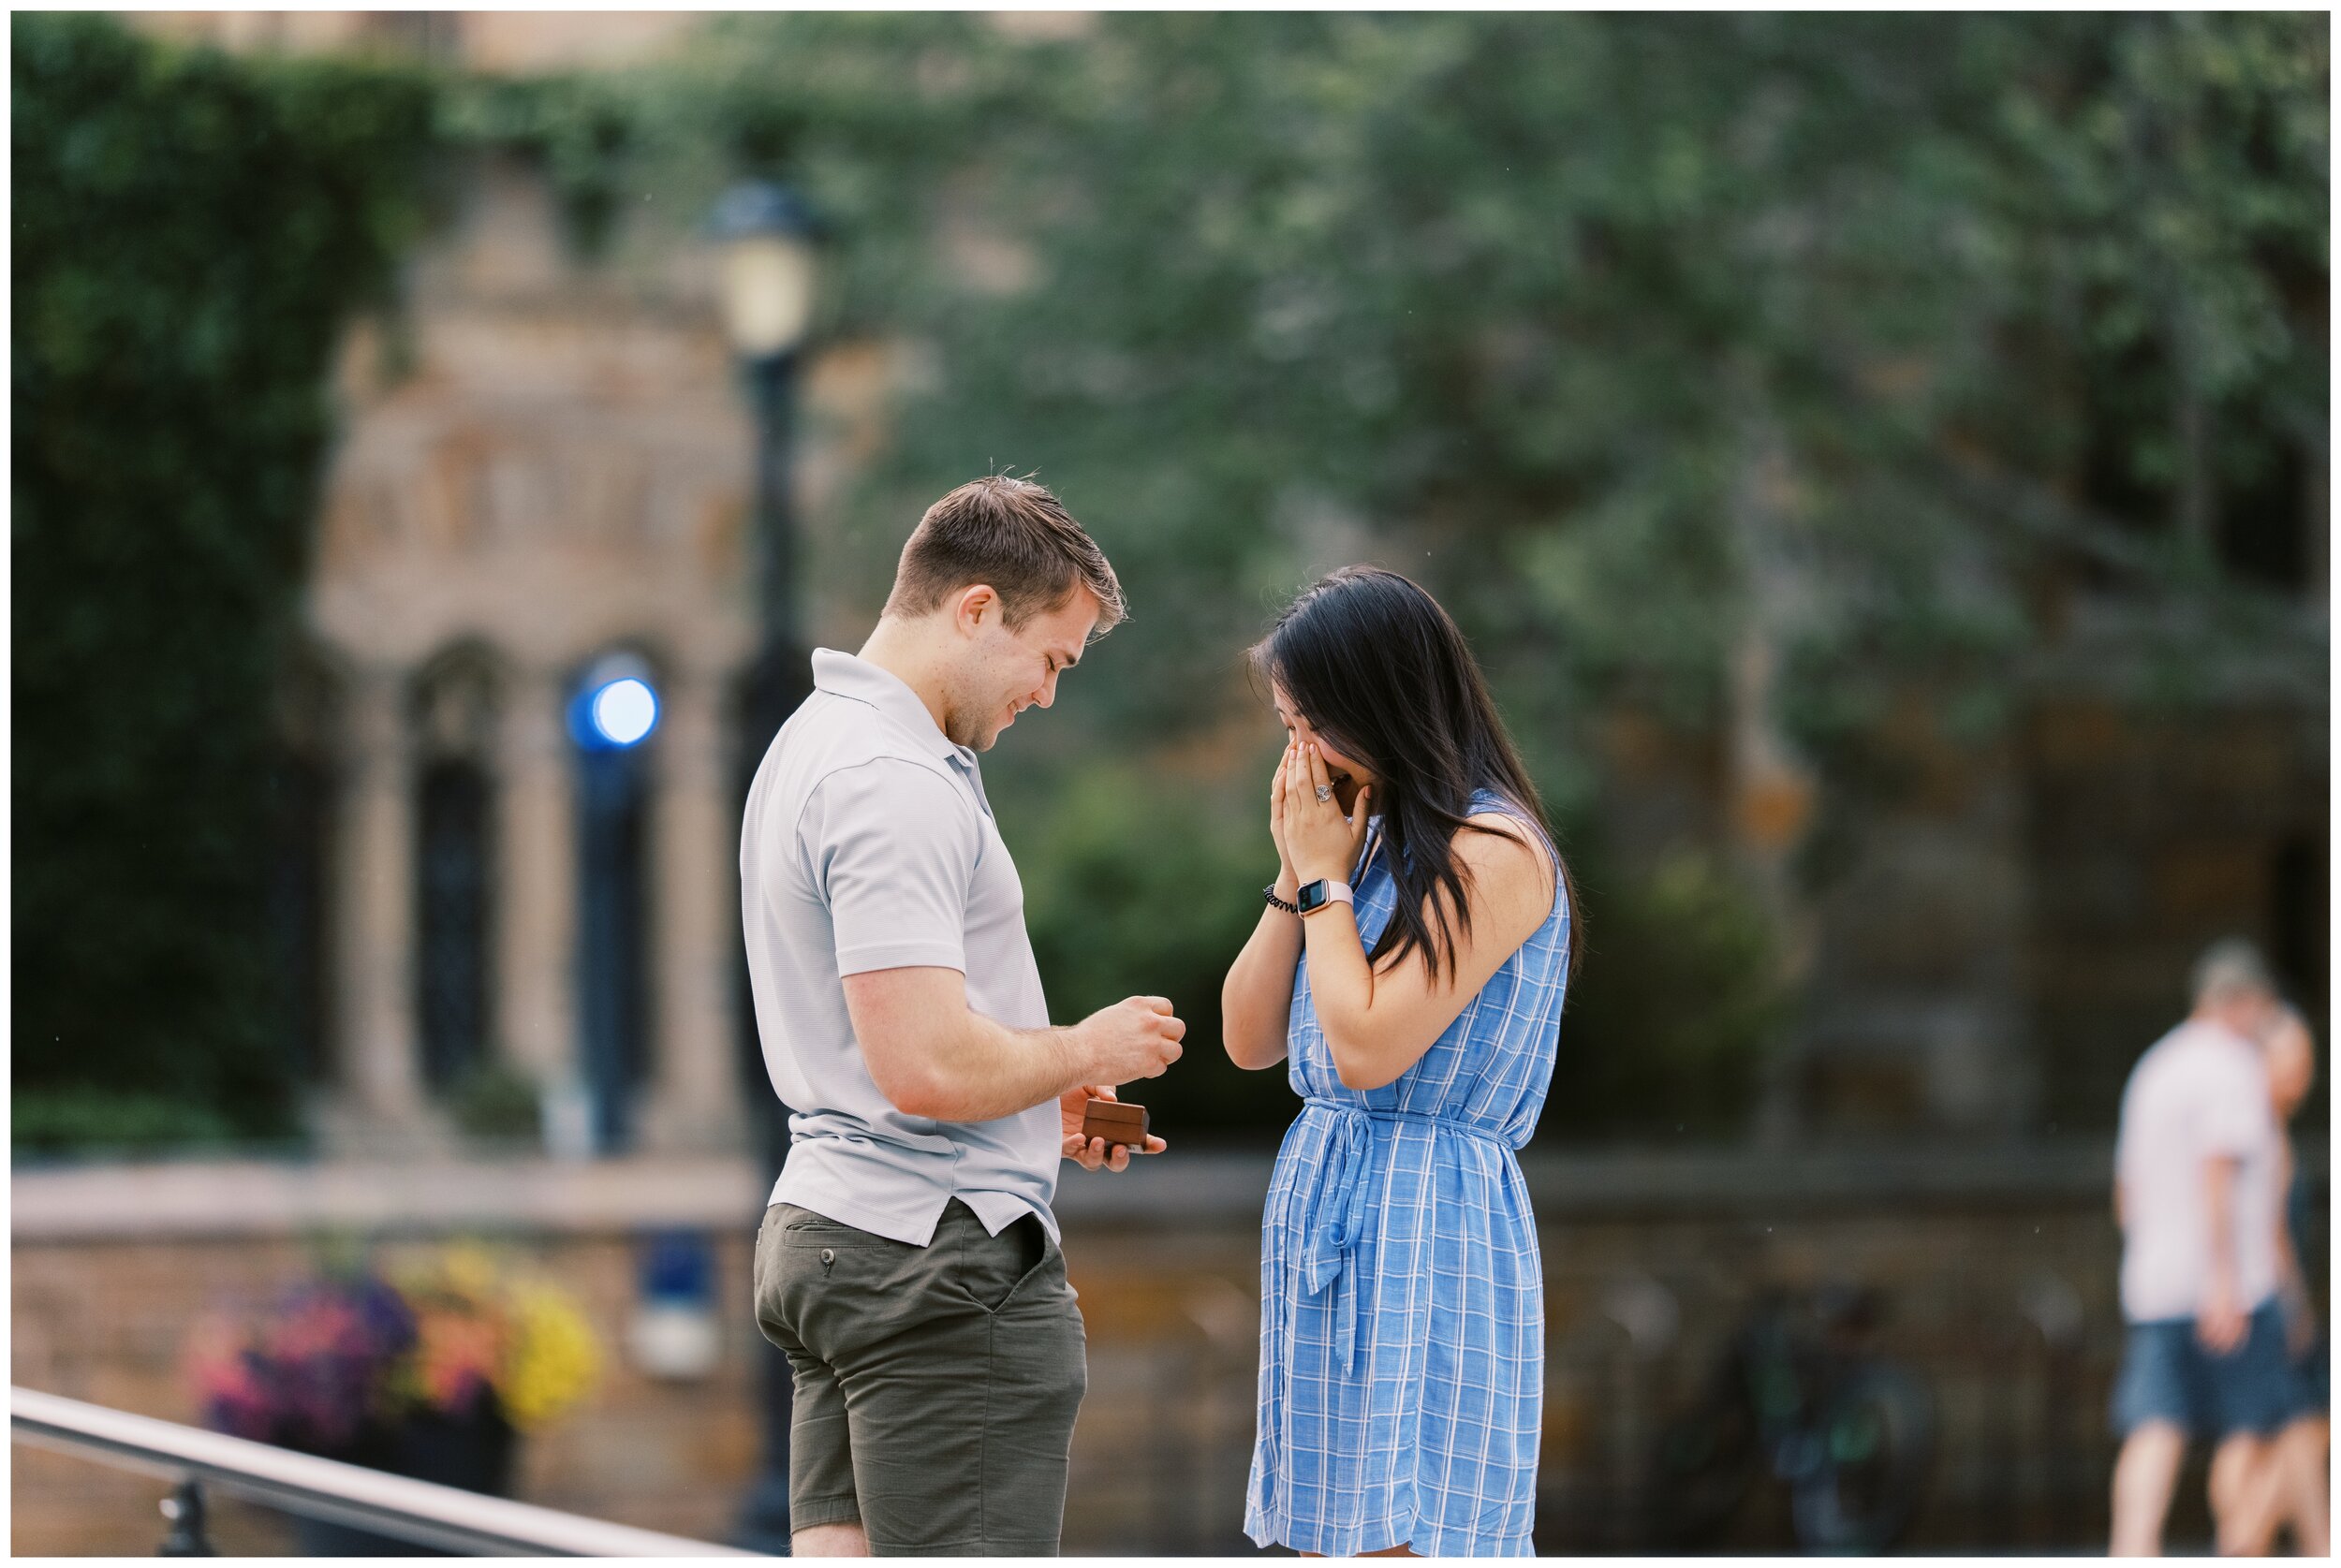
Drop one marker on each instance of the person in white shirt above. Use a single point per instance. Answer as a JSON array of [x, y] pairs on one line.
[[2196, 1169]]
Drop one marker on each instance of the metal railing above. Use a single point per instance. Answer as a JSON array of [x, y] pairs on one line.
[[446, 1518]]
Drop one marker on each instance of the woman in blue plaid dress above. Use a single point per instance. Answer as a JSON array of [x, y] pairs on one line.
[[1402, 1312]]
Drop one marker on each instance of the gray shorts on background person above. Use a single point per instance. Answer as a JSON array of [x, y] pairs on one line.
[[2167, 1375], [935, 1385]]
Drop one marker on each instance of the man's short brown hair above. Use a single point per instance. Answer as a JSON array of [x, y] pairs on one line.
[[1012, 536]]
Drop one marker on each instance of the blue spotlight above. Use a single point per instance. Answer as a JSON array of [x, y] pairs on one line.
[[616, 706], [623, 711]]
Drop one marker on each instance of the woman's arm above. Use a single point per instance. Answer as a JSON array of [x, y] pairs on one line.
[[2300, 1313], [1380, 1024], [1255, 1003], [1255, 1000]]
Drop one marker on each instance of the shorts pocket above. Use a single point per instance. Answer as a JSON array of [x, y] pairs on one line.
[[801, 1227], [995, 1268], [763, 1278], [838, 1287]]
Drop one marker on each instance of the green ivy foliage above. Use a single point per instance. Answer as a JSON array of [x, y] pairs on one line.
[[191, 234]]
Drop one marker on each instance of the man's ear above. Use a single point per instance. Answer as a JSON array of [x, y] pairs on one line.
[[977, 604]]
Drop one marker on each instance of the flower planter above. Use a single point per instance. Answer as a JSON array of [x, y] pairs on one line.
[[475, 1454], [429, 1374]]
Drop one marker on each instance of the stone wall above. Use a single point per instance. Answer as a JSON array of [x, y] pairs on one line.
[[2147, 841], [1996, 1265], [101, 1313]]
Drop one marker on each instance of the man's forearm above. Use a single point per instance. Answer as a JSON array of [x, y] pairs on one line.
[[984, 1070], [2219, 1181]]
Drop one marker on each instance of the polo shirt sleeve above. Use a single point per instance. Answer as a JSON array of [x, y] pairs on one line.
[[893, 846], [2232, 1111]]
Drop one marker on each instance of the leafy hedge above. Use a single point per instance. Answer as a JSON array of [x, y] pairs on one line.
[[191, 234]]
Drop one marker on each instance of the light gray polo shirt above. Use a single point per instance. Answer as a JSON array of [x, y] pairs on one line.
[[867, 843]]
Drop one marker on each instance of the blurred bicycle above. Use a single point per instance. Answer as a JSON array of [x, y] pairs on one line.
[[1798, 1394]]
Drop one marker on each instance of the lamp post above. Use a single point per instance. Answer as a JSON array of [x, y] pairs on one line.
[[613, 712], [767, 237]]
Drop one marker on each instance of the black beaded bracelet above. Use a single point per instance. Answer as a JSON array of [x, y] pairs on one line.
[[1268, 893]]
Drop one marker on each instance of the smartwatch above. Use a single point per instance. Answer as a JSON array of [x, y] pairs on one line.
[[1315, 895]]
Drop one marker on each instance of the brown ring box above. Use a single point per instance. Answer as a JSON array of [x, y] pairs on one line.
[[1117, 1124]]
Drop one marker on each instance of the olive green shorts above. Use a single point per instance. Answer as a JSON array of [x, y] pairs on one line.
[[935, 1385]]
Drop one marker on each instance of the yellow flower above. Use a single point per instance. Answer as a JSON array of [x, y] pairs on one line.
[[524, 1338], [550, 1359]]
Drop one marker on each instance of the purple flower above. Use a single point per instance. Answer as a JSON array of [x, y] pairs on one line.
[[313, 1374]]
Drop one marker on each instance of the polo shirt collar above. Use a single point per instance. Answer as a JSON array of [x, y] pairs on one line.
[[859, 681]]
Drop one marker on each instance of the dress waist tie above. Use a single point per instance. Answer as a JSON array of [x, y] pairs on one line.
[[1336, 1211]]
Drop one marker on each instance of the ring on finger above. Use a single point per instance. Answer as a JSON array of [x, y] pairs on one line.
[[1324, 792]]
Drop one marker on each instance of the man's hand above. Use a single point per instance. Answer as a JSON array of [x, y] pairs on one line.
[[1091, 1152], [2220, 1323], [1135, 1038]]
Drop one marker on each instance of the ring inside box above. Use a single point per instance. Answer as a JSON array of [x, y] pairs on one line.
[[1117, 1124]]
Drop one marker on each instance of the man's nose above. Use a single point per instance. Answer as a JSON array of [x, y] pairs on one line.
[[1048, 691]]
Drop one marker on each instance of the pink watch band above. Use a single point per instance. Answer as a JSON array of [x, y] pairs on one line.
[[1335, 893]]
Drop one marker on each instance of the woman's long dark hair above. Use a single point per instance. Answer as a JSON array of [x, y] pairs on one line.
[[1381, 672]]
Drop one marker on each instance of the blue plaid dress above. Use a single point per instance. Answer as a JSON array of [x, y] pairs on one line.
[[1401, 1300]]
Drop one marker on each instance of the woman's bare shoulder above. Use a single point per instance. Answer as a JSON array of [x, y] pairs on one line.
[[1509, 855]]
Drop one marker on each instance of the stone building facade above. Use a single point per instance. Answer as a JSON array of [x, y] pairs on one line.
[[542, 482], [552, 479]]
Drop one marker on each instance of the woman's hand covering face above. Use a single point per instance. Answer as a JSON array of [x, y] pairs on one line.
[[1319, 842]]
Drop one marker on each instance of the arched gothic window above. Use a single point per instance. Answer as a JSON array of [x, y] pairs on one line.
[[454, 720], [614, 730]]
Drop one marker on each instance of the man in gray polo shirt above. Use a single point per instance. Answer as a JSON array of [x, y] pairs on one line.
[[908, 1263]]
